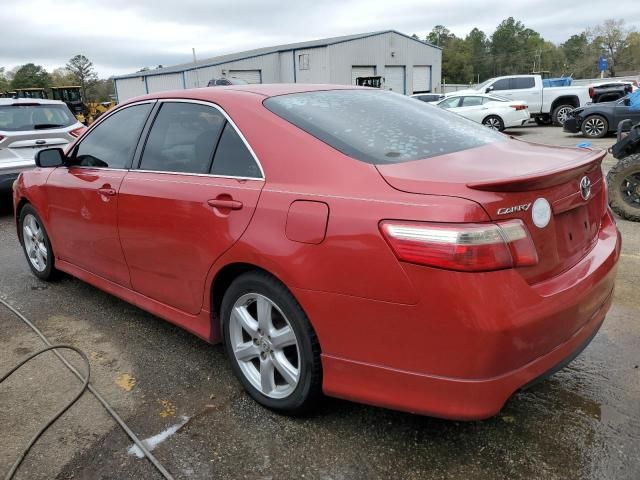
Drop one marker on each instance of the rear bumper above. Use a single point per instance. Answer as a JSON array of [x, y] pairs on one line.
[[571, 125], [471, 342]]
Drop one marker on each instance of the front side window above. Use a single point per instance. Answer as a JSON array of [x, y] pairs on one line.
[[182, 138], [15, 118], [112, 143], [502, 84], [520, 83], [450, 102], [380, 127]]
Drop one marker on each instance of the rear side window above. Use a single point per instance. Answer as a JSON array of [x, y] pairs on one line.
[[182, 138], [380, 127], [232, 158], [522, 82], [450, 102], [15, 118], [112, 142], [472, 101]]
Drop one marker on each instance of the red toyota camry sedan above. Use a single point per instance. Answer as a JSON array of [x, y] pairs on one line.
[[338, 240]]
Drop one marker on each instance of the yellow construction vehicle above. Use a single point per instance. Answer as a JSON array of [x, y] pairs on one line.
[[85, 112], [31, 93]]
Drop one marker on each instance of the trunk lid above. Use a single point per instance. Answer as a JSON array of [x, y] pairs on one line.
[[506, 178]]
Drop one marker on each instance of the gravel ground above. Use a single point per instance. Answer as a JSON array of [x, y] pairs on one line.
[[583, 423]]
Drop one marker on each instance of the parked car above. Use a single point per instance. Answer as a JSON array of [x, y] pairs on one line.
[[428, 97], [224, 81], [341, 240], [28, 125], [491, 111], [610, 91], [546, 104], [599, 119]]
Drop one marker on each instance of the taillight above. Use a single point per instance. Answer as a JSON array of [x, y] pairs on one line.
[[519, 107], [467, 247], [592, 92], [77, 132]]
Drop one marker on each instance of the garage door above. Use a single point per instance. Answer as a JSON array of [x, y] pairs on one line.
[[421, 79], [394, 79], [249, 76], [362, 71]]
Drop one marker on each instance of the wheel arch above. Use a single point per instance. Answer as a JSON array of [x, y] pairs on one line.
[[18, 208], [566, 100]]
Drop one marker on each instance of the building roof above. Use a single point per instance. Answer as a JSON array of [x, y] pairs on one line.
[[233, 57]]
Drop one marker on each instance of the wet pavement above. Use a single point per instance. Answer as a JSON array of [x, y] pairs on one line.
[[582, 423]]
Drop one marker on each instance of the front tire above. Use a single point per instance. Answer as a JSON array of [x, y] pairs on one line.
[[594, 126], [36, 244], [560, 114], [623, 181], [494, 122], [272, 347]]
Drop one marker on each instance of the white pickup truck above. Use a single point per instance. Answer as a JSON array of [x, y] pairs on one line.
[[546, 104]]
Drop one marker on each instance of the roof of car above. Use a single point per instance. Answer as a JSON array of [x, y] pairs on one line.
[[29, 101], [262, 89]]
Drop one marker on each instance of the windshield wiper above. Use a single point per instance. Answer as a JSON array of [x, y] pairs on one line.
[[42, 126]]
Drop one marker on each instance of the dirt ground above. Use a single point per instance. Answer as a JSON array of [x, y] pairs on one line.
[[582, 423]]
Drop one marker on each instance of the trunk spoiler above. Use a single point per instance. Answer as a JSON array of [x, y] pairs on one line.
[[543, 179]]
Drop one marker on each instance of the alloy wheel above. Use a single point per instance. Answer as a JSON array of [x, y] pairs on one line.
[[265, 345], [594, 127], [563, 114], [34, 242], [493, 123]]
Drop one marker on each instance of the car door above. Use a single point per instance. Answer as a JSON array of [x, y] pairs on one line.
[[472, 107], [82, 198], [524, 89], [191, 198]]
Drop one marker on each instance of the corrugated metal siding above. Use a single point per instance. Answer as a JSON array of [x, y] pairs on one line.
[[130, 87], [318, 71], [269, 66], [389, 49], [162, 83], [286, 67]]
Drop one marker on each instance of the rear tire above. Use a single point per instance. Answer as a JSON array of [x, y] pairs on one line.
[[36, 245], [595, 126], [271, 345], [623, 181], [560, 113], [494, 122]]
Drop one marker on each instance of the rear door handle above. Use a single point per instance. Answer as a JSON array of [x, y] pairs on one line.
[[109, 192], [223, 203]]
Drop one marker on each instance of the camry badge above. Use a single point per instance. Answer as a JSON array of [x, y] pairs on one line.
[[516, 208], [585, 188], [541, 213]]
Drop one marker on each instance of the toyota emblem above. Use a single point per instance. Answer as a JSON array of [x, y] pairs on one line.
[[585, 188]]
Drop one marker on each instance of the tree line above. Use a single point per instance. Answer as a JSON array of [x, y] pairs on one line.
[[515, 49], [78, 71]]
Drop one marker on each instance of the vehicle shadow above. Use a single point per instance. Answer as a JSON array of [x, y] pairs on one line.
[[6, 205]]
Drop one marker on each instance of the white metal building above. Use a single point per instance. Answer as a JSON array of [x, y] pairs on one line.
[[406, 64]]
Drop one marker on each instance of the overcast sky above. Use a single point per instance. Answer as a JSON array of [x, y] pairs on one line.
[[121, 36]]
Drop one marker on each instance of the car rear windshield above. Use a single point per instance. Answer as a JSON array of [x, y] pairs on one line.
[[380, 127], [14, 118]]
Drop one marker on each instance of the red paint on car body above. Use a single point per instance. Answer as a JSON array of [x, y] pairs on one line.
[[401, 335]]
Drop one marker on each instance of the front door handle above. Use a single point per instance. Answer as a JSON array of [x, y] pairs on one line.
[[109, 192], [225, 203]]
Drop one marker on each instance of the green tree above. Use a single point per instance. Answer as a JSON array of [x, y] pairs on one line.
[[85, 75], [479, 50], [30, 76], [4, 81], [440, 36], [611, 39], [61, 77]]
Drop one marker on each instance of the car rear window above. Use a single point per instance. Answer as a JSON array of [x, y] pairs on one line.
[[14, 118], [380, 127]]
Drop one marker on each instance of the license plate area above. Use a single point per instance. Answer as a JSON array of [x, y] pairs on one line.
[[576, 230]]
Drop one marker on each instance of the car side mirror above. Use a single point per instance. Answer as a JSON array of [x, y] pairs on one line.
[[489, 89], [50, 158]]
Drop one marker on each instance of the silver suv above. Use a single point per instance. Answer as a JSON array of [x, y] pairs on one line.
[[26, 126]]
